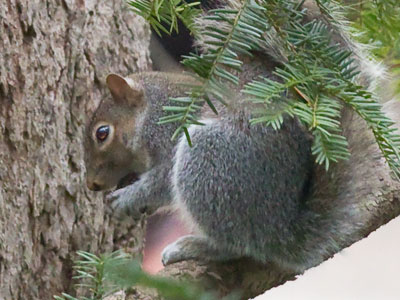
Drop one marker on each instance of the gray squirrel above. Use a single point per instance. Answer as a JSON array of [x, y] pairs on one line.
[[243, 189]]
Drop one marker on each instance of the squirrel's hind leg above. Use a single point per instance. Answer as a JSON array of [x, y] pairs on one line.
[[193, 247]]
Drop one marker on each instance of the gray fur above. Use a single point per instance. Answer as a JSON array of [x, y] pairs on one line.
[[241, 186]]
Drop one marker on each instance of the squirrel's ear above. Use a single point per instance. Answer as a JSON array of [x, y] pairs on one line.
[[124, 89]]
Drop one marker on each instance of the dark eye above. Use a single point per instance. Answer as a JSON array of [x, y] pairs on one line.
[[102, 133]]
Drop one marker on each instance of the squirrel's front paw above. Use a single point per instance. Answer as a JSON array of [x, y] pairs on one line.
[[121, 204]]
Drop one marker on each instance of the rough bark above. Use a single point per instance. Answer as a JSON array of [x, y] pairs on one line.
[[54, 56]]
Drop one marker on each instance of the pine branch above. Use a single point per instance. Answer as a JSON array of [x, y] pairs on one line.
[[307, 75], [165, 13], [239, 29], [316, 79], [322, 75]]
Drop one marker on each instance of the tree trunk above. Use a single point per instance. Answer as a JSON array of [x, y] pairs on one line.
[[54, 56]]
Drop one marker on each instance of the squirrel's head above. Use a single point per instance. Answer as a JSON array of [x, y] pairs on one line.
[[113, 154]]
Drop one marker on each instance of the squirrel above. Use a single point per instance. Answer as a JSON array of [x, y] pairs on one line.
[[243, 189]]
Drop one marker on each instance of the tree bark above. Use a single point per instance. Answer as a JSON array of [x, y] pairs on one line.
[[54, 56]]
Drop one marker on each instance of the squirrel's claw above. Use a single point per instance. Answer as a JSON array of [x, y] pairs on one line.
[[120, 204]]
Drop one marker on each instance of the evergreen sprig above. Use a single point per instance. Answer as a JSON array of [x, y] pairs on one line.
[[316, 79], [323, 76], [311, 72], [92, 274], [231, 32], [162, 14], [103, 275]]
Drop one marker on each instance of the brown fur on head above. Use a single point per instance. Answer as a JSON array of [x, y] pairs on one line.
[[108, 147]]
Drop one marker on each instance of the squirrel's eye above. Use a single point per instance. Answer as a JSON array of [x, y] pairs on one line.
[[102, 133]]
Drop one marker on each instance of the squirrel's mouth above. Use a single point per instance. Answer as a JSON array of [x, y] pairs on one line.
[[127, 180]]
